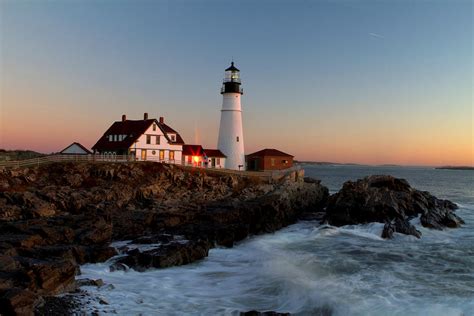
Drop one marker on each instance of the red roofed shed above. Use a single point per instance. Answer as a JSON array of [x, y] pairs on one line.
[[269, 159]]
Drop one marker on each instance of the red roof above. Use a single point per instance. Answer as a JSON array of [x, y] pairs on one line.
[[270, 152], [193, 150], [133, 129], [214, 153]]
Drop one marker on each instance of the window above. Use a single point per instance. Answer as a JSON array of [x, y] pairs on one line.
[[111, 138], [173, 138], [273, 162], [153, 152], [148, 139], [218, 161], [237, 138], [190, 159], [158, 139], [154, 127], [171, 155], [162, 155], [115, 138]]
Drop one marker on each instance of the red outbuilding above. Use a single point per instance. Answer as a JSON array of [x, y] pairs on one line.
[[269, 159]]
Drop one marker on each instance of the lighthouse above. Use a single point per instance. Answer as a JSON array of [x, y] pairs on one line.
[[231, 137]]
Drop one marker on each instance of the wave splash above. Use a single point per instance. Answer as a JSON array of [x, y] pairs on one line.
[[307, 269]]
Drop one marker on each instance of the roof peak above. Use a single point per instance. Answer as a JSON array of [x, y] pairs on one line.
[[232, 67]]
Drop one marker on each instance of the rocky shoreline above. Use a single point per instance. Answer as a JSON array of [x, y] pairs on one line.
[[56, 217]]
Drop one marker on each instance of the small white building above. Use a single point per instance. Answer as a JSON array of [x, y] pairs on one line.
[[196, 156], [75, 149], [215, 158], [193, 155], [147, 139]]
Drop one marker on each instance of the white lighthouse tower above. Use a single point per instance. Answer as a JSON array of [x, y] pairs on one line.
[[231, 137]]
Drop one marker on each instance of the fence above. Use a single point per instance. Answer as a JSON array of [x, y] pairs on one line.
[[59, 158], [267, 176]]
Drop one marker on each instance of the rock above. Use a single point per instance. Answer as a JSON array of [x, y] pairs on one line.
[[441, 218], [49, 277], [89, 282], [118, 266], [268, 313], [16, 301], [172, 254], [59, 305], [399, 226], [7, 263], [390, 200]]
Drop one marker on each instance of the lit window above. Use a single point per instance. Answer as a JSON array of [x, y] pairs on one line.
[[190, 159], [162, 155], [273, 162], [171, 155], [148, 139]]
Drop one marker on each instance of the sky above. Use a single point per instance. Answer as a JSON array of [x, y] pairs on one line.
[[372, 82]]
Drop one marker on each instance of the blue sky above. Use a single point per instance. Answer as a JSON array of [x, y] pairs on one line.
[[364, 81]]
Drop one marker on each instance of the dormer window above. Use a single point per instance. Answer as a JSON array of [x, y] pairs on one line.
[[111, 138], [173, 138]]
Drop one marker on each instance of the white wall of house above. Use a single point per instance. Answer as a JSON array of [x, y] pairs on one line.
[[153, 149], [219, 162]]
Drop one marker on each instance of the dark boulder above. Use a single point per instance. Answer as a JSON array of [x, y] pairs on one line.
[[268, 313], [172, 254], [17, 301], [399, 226], [386, 199]]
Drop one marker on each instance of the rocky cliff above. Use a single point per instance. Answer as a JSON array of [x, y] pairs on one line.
[[55, 217]]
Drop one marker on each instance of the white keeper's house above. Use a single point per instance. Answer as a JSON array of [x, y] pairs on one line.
[[147, 139]]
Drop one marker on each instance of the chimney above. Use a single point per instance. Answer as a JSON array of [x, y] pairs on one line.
[[145, 116], [124, 118], [162, 119]]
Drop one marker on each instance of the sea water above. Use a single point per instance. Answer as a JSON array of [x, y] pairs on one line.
[[312, 269]]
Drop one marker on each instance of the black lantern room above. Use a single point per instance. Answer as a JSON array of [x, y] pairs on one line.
[[232, 80]]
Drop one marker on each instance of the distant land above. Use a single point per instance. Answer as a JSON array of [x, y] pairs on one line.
[[18, 154], [326, 163], [456, 168]]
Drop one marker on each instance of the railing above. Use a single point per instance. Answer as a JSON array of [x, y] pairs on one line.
[[241, 90], [269, 176], [58, 158]]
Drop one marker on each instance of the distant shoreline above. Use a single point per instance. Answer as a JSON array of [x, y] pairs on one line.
[[455, 168], [326, 163]]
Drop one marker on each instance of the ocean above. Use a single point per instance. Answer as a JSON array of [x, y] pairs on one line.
[[312, 269]]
